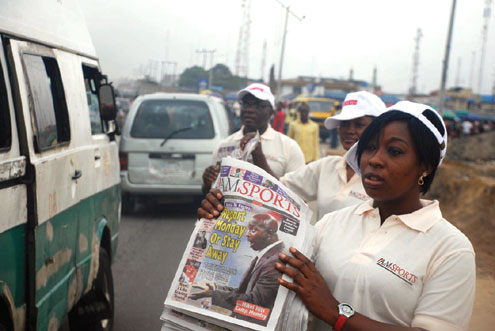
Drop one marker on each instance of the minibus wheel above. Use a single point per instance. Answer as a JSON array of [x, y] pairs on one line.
[[102, 291]]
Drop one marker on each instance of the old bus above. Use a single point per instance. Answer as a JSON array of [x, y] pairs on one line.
[[59, 171]]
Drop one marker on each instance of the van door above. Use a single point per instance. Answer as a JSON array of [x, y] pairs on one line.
[[14, 212], [54, 158]]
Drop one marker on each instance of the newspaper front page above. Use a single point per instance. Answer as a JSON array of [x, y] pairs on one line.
[[227, 275]]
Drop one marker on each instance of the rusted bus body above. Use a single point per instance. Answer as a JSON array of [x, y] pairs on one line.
[[59, 170]]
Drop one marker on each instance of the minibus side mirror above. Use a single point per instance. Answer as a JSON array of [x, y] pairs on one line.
[[106, 96]]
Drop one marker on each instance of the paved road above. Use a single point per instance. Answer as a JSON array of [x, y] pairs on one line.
[[151, 243]]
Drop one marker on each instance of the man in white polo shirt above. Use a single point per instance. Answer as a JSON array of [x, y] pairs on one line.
[[276, 153]]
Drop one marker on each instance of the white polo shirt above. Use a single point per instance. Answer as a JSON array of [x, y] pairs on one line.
[[415, 270], [282, 154], [326, 182]]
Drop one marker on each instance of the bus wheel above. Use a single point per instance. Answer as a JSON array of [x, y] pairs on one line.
[[95, 311]]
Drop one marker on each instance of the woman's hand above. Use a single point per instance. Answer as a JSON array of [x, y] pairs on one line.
[[210, 174], [309, 285], [212, 205]]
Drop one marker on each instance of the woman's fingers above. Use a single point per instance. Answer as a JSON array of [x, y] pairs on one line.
[[304, 265], [291, 272], [213, 204], [300, 256], [291, 286]]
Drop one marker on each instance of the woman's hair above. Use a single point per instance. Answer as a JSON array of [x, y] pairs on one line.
[[425, 143]]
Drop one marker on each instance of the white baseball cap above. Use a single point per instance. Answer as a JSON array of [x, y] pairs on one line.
[[416, 110], [357, 104], [259, 91]]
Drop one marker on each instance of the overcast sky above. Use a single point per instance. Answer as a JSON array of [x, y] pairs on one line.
[[334, 37]]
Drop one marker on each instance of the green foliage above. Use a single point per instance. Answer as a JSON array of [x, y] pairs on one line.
[[190, 76], [222, 76]]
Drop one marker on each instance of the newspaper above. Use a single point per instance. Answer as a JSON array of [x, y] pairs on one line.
[[227, 275], [233, 149]]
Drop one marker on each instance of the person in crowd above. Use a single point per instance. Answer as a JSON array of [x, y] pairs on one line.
[[393, 262], [279, 119], [290, 116], [276, 153], [259, 284], [330, 180], [333, 133], [466, 127], [306, 133]]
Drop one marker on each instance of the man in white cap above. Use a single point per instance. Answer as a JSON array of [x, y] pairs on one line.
[[330, 180], [276, 153]]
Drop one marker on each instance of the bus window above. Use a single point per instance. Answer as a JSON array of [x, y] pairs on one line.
[[91, 82], [49, 106], [5, 130]]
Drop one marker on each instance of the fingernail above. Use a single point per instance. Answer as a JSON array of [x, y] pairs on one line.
[[292, 250], [215, 212], [282, 256]]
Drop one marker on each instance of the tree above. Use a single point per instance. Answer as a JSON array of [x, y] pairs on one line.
[[222, 76], [190, 76]]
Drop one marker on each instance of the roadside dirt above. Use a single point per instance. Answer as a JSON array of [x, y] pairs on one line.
[[465, 187]]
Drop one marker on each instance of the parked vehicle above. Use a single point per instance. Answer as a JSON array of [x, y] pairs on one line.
[[59, 172], [123, 107], [167, 142], [319, 110]]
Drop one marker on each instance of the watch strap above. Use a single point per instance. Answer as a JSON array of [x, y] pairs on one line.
[[340, 323]]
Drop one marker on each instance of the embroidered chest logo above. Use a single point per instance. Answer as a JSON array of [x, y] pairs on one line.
[[359, 196], [395, 269]]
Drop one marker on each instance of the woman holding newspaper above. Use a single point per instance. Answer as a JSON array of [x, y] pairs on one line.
[[330, 180], [392, 263]]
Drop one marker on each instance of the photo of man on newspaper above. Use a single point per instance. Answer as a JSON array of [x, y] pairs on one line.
[[259, 284]]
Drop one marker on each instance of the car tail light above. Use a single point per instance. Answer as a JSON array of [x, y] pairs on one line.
[[123, 161]]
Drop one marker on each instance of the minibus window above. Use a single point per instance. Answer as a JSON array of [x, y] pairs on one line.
[[49, 105], [5, 130], [91, 82]]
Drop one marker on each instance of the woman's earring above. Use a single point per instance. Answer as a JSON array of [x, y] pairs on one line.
[[421, 179]]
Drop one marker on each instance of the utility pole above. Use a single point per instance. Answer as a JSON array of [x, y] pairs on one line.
[[446, 60], [415, 68], [263, 62], [165, 71], [471, 72], [374, 82], [287, 12], [205, 53], [484, 38], [458, 76], [242, 53], [210, 74]]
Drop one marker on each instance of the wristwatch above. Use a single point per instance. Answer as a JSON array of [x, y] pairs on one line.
[[345, 312]]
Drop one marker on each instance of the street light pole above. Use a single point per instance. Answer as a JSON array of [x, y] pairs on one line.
[[446, 60], [287, 12], [279, 82]]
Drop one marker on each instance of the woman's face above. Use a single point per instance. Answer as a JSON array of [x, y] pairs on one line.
[[390, 167], [350, 131]]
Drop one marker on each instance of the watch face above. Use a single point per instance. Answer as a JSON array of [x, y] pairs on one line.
[[346, 310]]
